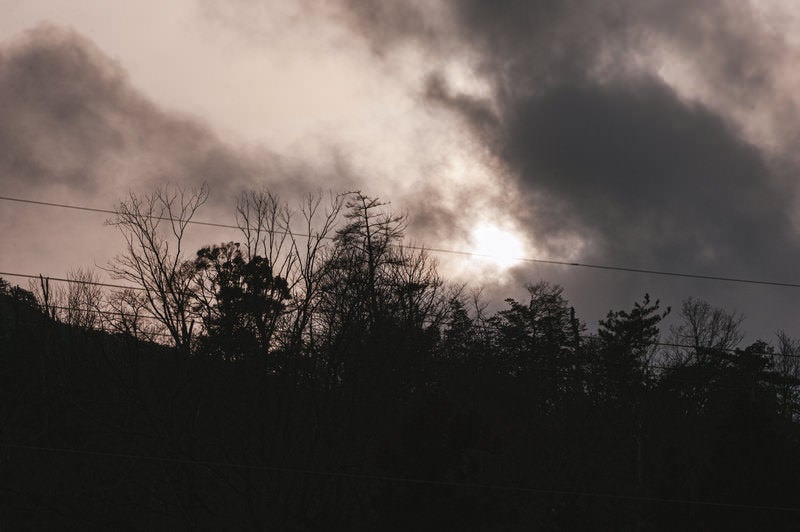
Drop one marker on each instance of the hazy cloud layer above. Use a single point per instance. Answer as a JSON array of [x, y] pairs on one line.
[[647, 133], [74, 129], [601, 144], [71, 117]]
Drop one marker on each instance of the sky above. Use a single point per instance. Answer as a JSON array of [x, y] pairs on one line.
[[653, 134]]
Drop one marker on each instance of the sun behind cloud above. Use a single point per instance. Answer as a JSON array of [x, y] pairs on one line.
[[500, 247]]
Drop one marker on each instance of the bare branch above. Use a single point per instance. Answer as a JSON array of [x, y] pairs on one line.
[[153, 257]]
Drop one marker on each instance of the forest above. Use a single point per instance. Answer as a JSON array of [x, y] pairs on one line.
[[319, 373]]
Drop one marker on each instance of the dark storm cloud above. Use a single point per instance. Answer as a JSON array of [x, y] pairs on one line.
[[659, 180], [71, 117], [524, 44], [601, 147]]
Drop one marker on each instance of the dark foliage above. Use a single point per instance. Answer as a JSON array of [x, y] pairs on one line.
[[515, 421]]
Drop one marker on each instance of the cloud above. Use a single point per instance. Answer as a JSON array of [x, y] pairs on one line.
[[71, 117], [600, 144], [660, 181], [645, 133]]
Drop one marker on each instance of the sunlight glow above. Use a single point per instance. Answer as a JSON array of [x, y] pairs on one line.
[[501, 247]]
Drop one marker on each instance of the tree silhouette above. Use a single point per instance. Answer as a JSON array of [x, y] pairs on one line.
[[627, 343], [337, 381], [704, 329], [154, 227], [240, 300]]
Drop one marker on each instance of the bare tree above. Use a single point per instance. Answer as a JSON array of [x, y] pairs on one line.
[[83, 299], [154, 227], [364, 246], [264, 222], [78, 303], [788, 366], [126, 313], [418, 291], [294, 247], [50, 299], [704, 328], [311, 247]]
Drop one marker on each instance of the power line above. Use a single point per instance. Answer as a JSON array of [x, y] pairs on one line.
[[107, 211], [537, 369], [540, 369], [139, 334], [399, 480], [703, 347], [532, 260], [696, 381], [114, 313], [74, 281]]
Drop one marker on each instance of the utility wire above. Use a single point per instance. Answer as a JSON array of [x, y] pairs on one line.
[[703, 347], [118, 314], [456, 252], [113, 313], [145, 335], [401, 480], [107, 211], [73, 281], [538, 370]]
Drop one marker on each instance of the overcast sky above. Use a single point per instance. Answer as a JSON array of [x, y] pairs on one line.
[[655, 134]]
